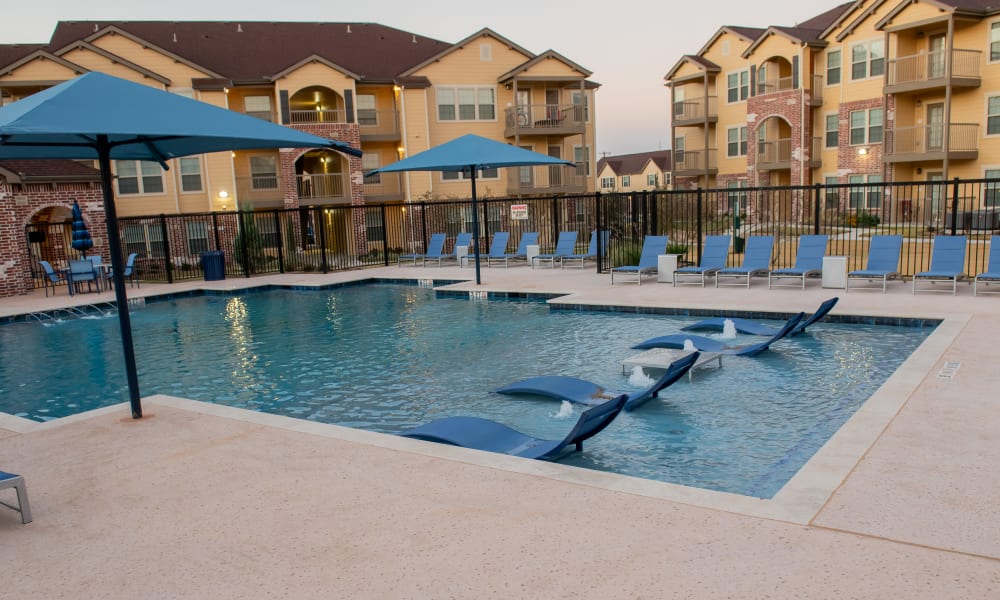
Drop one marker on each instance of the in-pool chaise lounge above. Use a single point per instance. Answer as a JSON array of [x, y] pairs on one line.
[[706, 344], [484, 434], [580, 391], [754, 328]]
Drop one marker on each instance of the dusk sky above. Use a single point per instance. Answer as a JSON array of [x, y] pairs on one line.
[[628, 44]]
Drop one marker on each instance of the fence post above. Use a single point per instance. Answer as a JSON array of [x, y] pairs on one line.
[[215, 228], [423, 224], [698, 223], [385, 235], [599, 218], [166, 248], [281, 244], [555, 217], [245, 242], [816, 211], [649, 198], [954, 206], [324, 264]]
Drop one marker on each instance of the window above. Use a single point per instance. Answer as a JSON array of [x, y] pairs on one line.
[[258, 106], [678, 150], [737, 145], [145, 239], [651, 180], [867, 59], [833, 67], [832, 194], [374, 231], [865, 196], [866, 126], [994, 41], [367, 115], [466, 104], [190, 174], [991, 190], [993, 115], [738, 86], [483, 174], [581, 156], [737, 199], [832, 131], [139, 177], [607, 183], [667, 178], [580, 111], [626, 181], [197, 237], [369, 162], [267, 227], [263, 173]]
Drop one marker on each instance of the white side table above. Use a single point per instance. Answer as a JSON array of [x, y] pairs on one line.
[[462, 255], [666, 264], [835, 272], [531, 251]]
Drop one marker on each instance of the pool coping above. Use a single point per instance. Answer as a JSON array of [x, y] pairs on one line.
[[799, 501]]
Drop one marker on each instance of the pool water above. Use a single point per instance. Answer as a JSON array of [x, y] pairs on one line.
[[388, 357]]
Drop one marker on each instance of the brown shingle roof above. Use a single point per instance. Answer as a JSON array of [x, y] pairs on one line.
[[633, 164], [233, 49], [54, 169], [14, 52]]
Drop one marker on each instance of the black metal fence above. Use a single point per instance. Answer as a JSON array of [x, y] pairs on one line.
[[338, 238]]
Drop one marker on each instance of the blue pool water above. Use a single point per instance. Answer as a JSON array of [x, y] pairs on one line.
[[389, 357]]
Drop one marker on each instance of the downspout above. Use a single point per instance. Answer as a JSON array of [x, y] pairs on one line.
[[949, 53], [406, 150]]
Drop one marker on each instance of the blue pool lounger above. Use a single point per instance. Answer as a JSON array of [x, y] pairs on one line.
[[10, 480], [434, 249], [992, 272], [580, 391], [883, 261], [947, 263], [713, 258], [754, 328], [484, 434], [705, 344]]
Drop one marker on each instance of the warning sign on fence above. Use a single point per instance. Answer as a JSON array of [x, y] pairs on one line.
[[519, 212]]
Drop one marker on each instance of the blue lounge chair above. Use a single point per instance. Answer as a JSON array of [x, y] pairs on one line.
[[756, 261], [713, 258], [808, 261], [947, 263], [992, 272], [498, 248], [434, 249], [10, 480], [652, 247], [483, 434], [528, 238], [705, 344], [580, 391], [49, 277], [591, 253], [565, 245], [883, 261], [754, 328], [462, 240]]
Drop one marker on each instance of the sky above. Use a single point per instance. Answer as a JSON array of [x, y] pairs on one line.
[[629, 45]]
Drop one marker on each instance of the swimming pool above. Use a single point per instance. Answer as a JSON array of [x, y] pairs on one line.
[[389, 357]]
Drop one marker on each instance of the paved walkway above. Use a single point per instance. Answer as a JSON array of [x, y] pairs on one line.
[[204, 501]]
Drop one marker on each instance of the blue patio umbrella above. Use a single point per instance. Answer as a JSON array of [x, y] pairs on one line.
[[81, 235], [469, 154], [104, 118]]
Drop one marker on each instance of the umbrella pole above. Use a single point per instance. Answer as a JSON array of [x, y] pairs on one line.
[[475, 223], [118, 275]]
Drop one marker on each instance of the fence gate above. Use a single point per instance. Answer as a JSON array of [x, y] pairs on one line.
[[51, 242]]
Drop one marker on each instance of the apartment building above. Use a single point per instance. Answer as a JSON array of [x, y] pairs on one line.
[[867, 92], [637, 172]]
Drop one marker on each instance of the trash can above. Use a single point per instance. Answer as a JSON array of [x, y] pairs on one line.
[[213, 263]]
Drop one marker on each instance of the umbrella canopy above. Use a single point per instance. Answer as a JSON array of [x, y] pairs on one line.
[[81, 236], [469, 154], [100, 117]]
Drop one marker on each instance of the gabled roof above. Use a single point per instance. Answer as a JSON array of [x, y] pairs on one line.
[[701, 62], [749, 34], [525, 66], [10, 53], [807, 33], [976, 10], [484, 32], [20, 171], [114, 58], [44, 55], [635, 164]]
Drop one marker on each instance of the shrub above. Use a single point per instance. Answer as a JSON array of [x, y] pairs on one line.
[[863, 219]]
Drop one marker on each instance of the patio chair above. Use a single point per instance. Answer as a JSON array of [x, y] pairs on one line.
[[756, 261], [591, 253], [947, 263], [10, 480], [484, 434], [130, 272], [580, 391], [528, 238], [434, 249], [498, 247], [462, 240], [713, 257], [82, 271], [992, 273], [565, 245], [706, 344], [754, 328], [652, 247], [49, 277], [883, 261], [808, 262]]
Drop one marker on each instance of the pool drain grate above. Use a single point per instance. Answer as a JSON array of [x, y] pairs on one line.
[[949, 369]]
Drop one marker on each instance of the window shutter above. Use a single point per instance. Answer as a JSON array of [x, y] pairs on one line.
[[286, 114], [753, 80], [349, 105], [795, 72]]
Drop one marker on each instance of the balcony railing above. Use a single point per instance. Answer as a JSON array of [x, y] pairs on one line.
[[544, 180], [695, 161], [378, 125], [327, 186], [779, 154], [920, 71], [545, 119], [696, 110], [384, 186], [778, 84], [318, 116], [926, 142]]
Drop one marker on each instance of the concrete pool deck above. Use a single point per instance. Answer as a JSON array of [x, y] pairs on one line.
[[204, 501]]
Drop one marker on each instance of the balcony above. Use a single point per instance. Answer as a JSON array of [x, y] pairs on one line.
[[379, 125], [384, 187], [696, 111], [688, 163], [557, 179], [928, 71], [259, 192], [264, 115], [545, 119], [785, 84], [775, 155], [927, 143], [317, 116], [326, 188]]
